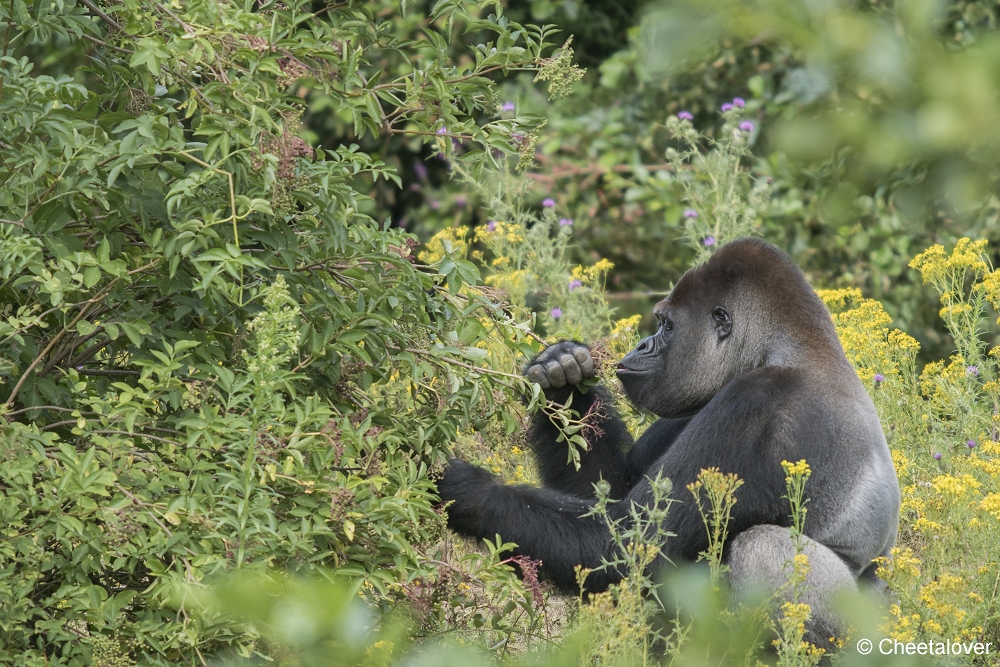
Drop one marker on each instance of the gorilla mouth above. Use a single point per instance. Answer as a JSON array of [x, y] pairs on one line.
[[622, 369]]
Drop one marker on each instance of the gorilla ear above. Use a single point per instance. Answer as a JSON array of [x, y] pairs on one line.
[[723, 322]]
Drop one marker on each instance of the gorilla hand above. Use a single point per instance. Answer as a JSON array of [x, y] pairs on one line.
[[562, 364]]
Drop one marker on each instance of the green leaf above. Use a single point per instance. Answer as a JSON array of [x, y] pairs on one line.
[[21, 13]]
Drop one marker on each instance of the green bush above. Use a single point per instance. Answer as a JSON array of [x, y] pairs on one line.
[[211, 355]]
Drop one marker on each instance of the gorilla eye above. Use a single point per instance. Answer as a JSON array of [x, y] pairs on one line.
[[666, 325]]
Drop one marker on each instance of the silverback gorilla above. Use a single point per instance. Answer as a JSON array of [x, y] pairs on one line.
[[744, 371]]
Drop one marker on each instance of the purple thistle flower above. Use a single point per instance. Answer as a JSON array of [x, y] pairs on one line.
[[442, 130], [573, 284], [690, 213], [420, 170], [739, 102], [507, 106], [565, 222], [971, 444], [434, 204], [879, 378], [491, 226], [556, 313], [709, 241], [937, 456], [727, 107], [972, 370], [685, 115], [549, 202], [461, 201], [746, 126]]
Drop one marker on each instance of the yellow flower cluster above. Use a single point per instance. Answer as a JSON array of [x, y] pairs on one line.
[[378, 654], [592, 275], [956, 487], [903, 627], [446, 242], [798, 468], [900, 462], [937, 267], [624, 335], [796, 614], [863, 328], [939, 594], [991, 504], [990, 287], [800, 564], [901, 562], [501, 231], [938, 381], [838, 300]]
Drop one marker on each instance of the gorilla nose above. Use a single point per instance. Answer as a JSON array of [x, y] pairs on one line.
[[645, 346]]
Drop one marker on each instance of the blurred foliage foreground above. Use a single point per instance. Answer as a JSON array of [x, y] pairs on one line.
[[214, 360]]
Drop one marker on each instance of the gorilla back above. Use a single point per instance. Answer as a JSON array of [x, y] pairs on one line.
[[744, 371]]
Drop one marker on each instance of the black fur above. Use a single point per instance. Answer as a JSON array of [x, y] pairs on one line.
[[746, 371]]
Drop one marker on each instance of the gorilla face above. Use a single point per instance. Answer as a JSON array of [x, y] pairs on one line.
[[677, 370]]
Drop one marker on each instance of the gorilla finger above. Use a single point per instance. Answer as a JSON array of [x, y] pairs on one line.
[[585, 360], [537, 375], [555, 373], [571, 369]]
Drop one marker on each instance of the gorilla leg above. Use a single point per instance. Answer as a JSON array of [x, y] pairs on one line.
[[546, 525], [558, 370], [760, 558]]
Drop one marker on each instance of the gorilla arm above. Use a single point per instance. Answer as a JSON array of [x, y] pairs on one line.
[[546, 525], [558, 370]]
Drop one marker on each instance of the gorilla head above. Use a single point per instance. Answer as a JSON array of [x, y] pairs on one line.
[[747, 307]]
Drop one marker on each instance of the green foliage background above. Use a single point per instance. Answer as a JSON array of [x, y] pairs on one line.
[[219, 350]]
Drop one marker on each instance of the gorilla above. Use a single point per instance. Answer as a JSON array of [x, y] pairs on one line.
[[744, 371]]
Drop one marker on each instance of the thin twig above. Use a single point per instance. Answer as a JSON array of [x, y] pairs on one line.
[[107, 19], [110, 372], [106, 45], [38, 407], [232, 192], [138, 435], [455, 362], [83, 311]]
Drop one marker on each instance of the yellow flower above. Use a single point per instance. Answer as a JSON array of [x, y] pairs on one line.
[[924, 525], [991, 504], [949, 485], [935, 596], [901, 561], [446, 242], [935, 265], [801, 564], [899, 460], [799, 468], [840, 299]]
